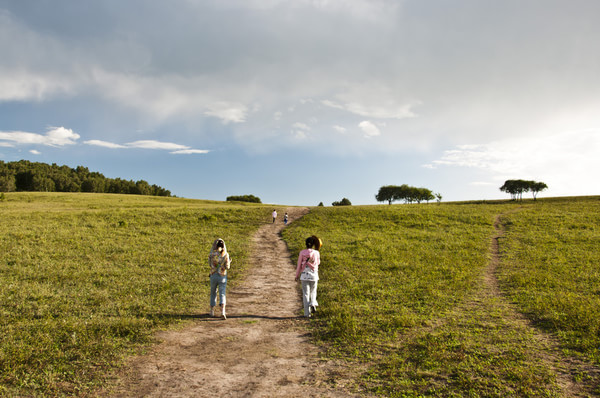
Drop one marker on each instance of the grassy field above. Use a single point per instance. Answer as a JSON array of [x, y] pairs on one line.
[[552, 270], [87, 279], [403, 294]]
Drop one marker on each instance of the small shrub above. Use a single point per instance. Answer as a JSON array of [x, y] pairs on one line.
[[343, 202]]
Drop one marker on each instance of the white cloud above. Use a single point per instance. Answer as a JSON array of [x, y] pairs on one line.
[[301, 126], [382, 62], [190, 151], [369, 129], [59, 136], [169, 146], [561, 159], [104, 144], [375, 110], [377, 11], [228, 112], [56, 136], [19, 85], [300, 131], [150, 144]]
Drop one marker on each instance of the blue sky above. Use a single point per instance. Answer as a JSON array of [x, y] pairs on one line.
[[307, 101]]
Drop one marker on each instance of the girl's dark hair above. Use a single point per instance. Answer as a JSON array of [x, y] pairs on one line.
[[313, 242], [220, 243]]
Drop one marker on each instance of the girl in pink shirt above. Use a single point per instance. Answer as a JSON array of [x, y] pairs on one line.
[[308, 273]]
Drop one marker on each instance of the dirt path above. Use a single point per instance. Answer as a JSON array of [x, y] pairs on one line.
[[575, 377], [261, 350]]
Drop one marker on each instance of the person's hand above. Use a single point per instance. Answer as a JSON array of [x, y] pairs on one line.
[[296, 279]]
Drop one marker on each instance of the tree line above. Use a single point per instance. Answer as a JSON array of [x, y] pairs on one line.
[[243, 198], [41, 177], [391, 193], [516, 188]]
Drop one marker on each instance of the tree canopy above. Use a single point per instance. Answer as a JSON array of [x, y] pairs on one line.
[[516, 188], [343, 202], [244, 198], [33, 176], [391, 193]]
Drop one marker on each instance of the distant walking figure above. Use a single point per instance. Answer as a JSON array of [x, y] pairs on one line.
[[285, 218], [308, 273], [274, 215], [219, 262]]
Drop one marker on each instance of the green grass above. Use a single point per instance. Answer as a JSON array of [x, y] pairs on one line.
[[552, 269], [86, 279], [402, 292], [397, 265]]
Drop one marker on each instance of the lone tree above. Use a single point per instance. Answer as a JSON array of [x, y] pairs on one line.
[[516, 188], [536, 188]]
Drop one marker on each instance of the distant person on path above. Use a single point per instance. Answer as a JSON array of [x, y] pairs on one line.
[[285, 218], [219, 262], [308, 273], [274, 215]]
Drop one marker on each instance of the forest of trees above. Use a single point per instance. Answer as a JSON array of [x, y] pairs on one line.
[[391, 193], [41, 177]]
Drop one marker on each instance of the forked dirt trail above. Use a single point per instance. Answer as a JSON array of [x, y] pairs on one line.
[[261, 350]]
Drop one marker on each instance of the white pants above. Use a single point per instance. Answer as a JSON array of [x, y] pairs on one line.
[[309, 296]]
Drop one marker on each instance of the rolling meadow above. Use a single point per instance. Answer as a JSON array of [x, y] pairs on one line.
[[87, 278], [409, 294]]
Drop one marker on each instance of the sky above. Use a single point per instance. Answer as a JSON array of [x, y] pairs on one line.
[[307, 101]]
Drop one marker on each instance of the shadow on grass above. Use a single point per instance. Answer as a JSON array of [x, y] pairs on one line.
[[207, 317]]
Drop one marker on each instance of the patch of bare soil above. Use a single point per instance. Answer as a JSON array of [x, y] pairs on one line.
[[575, 377], [262, 349]]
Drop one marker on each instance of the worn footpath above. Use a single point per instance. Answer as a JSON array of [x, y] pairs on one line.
[[263, 349]]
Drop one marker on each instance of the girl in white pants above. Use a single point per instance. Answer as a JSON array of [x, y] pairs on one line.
[[308, 273]]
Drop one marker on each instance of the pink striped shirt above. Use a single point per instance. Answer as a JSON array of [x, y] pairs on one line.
[[308, 258]]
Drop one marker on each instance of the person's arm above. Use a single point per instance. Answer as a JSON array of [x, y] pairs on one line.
[[210, 264], [317, 258], [299, 268]]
